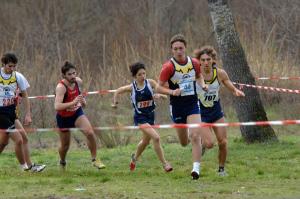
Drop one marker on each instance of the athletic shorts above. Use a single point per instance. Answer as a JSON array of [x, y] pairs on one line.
[[7, 121], [143, 118], [68, 122], [212, 114], [179, 114]]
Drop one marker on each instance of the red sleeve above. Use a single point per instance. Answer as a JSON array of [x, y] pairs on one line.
[[196, 65], [166, 72]]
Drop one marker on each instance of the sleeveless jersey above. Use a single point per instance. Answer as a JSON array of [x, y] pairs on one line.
[[184, 77], [142, 99], [8, 89], [69, 96], [211, 97]]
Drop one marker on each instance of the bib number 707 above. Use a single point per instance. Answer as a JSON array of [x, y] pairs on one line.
[[210, 97]]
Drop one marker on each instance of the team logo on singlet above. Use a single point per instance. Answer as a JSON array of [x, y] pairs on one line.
[[184, 69], [8, 88], [6, 91]]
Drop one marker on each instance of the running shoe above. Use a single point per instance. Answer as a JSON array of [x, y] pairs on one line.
[[97, 163], [222, 172], [37, 167], [62, 164], [167, 167], [195, 175], [132, 162]]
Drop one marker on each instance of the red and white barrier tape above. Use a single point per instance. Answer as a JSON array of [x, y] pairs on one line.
[[285, 90], [83, 93], [168, 126], [277, 78], [112, 91]]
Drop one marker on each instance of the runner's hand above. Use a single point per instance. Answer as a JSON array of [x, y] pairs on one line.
[[27, 120]]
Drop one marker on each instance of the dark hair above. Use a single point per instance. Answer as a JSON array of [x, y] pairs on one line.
[[66, 67], [178, 37], [209, 50], [9, 58], [135, 67]]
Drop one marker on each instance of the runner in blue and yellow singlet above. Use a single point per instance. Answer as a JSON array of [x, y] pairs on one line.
[[210, 106]]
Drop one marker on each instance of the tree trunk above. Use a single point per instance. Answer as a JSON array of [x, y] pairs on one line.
[[249, 108]]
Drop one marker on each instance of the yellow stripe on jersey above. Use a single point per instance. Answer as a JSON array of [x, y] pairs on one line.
[[213, 78], [11, 80]]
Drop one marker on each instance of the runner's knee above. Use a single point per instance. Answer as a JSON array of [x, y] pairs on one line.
[[156, 139], [24, 137], [19, 142], [145, 142], [3, 145], [208, 145], [65, 146], [195, 137], [222, 143], [89, 133]]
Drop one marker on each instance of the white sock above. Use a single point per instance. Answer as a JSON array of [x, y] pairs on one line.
[[196, 167], [24, 166]]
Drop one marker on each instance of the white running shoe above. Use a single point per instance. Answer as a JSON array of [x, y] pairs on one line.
[[222, 173], [37, 167]]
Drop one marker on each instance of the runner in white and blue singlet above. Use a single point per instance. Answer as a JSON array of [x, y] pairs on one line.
[[210, 106], [143, 103], [10, 81], [142, 99]]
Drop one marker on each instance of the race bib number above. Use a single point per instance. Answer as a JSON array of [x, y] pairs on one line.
[[7, 101], [187, 87], [207, 99], [210, 98], [144, 104]]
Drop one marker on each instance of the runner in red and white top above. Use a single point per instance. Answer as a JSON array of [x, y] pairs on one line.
[[183, 72]]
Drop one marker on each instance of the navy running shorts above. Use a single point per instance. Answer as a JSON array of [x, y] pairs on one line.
[[144, 118], [68, 122], [179, 114]]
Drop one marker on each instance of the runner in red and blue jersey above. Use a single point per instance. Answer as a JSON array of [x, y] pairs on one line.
[[68, 104]]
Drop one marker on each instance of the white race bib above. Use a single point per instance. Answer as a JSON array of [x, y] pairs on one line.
[[6, 98], [187, 86], [144, 104]]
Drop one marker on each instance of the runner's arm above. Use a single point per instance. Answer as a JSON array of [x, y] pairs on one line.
[[163, 90], [80, 82], [28, 119], [201, 83], [223, 77], [123, 89], [59, 97]]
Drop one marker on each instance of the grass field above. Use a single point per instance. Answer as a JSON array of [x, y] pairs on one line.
[[255, 171]]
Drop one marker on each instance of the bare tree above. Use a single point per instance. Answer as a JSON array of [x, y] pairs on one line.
[[234, 60]]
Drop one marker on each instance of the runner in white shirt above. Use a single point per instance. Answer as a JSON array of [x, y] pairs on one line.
[[12, 82]]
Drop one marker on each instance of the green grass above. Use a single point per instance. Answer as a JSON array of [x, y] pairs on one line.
[[255, 171]]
